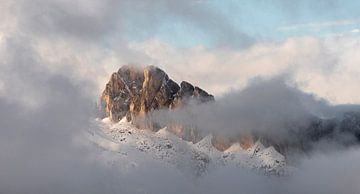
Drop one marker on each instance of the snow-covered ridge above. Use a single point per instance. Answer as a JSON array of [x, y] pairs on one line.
[[122, 137]]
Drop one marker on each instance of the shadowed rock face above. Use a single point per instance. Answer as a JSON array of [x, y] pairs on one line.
[[122, 92], [134, 92], [224, 141], [189, 93], [186, 94]]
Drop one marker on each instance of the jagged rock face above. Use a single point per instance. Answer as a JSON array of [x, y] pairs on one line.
[[246, 141], [134, 92], [202, 96], [186, 95], [189, 93], [351, 124], [224, 141], [221, 143], [183, 95], [121, 93], [158, 89]]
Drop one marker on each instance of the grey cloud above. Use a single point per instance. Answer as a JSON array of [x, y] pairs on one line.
[[43, 113], [264, 105], [40, 147], [68, 18], [111, 19], [331, 173], [280, 114]]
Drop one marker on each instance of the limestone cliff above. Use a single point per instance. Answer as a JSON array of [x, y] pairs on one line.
[[134, 92]]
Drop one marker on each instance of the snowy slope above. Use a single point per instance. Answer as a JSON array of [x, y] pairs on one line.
[[125, 139]]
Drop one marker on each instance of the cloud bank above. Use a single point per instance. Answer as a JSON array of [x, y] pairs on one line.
[[55, 57]]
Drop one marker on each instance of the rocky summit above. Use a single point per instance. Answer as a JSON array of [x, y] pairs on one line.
[[128, 103], [134, 92]]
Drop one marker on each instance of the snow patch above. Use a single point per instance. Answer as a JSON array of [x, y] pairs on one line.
[[234, 148]]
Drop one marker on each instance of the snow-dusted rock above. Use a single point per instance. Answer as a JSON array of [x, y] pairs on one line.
[[256, 148], [123, 138]]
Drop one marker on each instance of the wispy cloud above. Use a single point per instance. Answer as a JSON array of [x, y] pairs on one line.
[[318, 25], [355, 31]]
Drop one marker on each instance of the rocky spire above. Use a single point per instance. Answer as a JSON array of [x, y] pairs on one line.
[[134, 92]]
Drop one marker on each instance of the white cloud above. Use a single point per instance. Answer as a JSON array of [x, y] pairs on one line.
[[326, 67]]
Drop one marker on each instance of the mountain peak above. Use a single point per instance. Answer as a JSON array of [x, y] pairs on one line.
[[134, 91]]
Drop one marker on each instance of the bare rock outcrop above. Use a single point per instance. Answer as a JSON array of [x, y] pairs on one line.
[[135, 92], [122, 92], [187, 95]]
